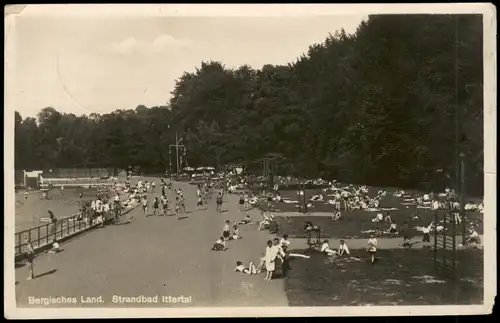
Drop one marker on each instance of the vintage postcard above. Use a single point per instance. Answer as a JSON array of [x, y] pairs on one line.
[[249, 160]]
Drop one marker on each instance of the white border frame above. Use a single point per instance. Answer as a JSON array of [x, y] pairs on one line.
[[488, 11]]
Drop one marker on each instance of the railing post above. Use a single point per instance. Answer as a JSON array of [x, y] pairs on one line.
[[38, 236], [47, 233]]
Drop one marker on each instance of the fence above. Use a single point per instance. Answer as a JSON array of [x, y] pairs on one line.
[[76, 181], [79, 172], [44, 234], [445, 245]]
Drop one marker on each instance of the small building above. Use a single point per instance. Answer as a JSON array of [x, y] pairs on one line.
[[32, 178]]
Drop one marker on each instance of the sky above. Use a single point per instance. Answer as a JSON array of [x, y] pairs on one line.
[[86, 65]]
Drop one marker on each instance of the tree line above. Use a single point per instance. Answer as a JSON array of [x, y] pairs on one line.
[[391, 105]]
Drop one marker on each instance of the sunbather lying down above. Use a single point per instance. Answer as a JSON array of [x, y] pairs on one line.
[[250, 270]]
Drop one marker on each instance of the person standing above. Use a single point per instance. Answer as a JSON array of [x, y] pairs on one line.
[[145, 205], [405, 231], [156, 206], [219, 202], [270, 260], [30, 257], [53, 224], [372, 247], [164, 202]]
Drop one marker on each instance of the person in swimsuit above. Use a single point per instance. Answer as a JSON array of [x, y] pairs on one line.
[[30, 257], [251, 270], [372, 247], [177, 207], [226, 230], [164, 202], [219, 202], [242, 202], [156, 206], [145, 205]]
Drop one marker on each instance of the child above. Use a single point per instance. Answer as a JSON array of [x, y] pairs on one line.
[[177, 207], [284, 241], [219, 202], [199, 203], [251, 270], [164, 202], [182, 203], [236, 233], [343, 249], [372, 247], [226, 230], [336, 216], [405, 231], [145, 205], [427, 237], [30, 257], [219, 245], [156, 206]]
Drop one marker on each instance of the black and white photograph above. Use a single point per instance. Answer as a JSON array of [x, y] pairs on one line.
[[249, 160]]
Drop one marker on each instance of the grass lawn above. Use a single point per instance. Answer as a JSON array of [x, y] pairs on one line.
[[30, 211], [354, 222], [399, 277]]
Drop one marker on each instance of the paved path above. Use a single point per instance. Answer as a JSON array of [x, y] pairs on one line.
[[157, 256]]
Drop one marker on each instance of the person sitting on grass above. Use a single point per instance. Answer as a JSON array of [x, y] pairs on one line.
[[251, 270], [473, 237], [264, 224], [337, 216], [325, 248], [378, 218], [273, 225], [393, 228], [343, 249], [246, 220], [236, 233], [219, 245], [387, 218]]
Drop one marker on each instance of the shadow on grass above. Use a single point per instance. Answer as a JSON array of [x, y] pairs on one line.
[[50, 272], [122, 223], [399, 277], [20, 265]]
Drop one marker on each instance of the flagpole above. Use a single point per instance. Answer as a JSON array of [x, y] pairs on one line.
[[177, 153]]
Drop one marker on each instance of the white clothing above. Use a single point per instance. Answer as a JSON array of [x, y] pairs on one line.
[[344, 249], [326, 248], [380, 217], [372, 243], [240, 268], [284, 242], [426, 229]]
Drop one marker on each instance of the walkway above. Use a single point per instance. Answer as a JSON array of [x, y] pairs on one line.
[[156, 256]]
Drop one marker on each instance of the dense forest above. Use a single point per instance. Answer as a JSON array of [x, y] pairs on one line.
[[392, 104]]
